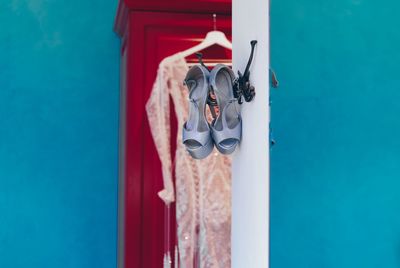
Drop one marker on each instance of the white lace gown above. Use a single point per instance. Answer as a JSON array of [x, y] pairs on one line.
[[203, 187]]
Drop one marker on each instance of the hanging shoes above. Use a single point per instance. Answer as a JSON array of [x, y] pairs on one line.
[[226, 129], [196, 134]]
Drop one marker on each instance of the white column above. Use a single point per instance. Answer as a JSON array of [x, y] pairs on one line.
[[250, 193]]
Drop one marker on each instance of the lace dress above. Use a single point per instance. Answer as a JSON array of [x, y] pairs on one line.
[[203, 187]]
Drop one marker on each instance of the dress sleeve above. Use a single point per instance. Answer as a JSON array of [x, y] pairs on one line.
[[158, 109]]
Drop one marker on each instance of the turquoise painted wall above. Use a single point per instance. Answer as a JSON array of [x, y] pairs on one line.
[[335, 185], [59, 94]]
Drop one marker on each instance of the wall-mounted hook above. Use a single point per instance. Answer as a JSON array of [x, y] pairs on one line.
[[242, 86], [274, 80], [272, 141]]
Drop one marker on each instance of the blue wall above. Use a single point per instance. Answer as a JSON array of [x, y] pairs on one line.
[[59, 94], [335, 170]]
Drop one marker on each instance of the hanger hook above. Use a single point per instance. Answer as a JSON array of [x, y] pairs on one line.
[[215, 21]]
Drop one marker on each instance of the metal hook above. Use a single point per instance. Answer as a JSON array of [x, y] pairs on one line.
[[200, 58], [246, 71], [212, 102], [274, 79], [215, 21], [242, 85]]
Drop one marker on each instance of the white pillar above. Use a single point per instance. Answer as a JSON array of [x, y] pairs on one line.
[[250, 193]]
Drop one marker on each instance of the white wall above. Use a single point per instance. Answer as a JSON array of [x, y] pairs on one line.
[[250, 204]]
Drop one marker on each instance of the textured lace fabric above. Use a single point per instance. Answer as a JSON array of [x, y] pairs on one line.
[[203, 187]]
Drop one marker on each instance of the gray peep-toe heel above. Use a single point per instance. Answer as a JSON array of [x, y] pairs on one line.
[[196, 134], [226, 129]]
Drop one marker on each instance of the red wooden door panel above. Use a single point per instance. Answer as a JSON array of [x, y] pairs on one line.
[[220, 7], [149, 37], [181, 5]]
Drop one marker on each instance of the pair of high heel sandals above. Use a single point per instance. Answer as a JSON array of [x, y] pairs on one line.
[[224, 132]]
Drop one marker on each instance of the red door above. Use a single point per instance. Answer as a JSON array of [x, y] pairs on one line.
[[150, 32]]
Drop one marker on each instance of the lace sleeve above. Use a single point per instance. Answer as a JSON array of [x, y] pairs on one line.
[[157, 108]]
